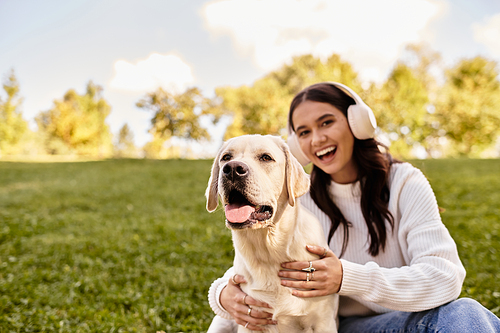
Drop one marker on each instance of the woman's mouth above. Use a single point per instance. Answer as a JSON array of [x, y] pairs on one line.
[[326, 153]]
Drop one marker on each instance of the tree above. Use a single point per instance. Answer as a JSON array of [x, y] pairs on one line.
[[76, 124], [469, 108], [263, 107], [259, 109], [175, 115], [125, 146], [421, 59], [306, 70], [12, 124], [401, 110]]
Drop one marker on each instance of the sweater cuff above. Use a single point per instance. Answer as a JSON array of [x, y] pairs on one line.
[[214, 298], [354, 280]]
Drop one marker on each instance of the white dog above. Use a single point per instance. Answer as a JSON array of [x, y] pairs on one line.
[[258, 181]]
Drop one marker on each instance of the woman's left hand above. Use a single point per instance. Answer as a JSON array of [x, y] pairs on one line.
[[326, 278]]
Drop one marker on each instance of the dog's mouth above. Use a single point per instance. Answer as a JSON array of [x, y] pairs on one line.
[[241, 213]]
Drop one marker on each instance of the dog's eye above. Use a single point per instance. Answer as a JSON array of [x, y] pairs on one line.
[[226, 157], [266, 158]]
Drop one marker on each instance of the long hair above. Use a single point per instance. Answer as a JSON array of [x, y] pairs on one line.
[[373, 172]]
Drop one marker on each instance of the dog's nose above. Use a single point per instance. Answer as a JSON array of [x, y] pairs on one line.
[[235, 170]]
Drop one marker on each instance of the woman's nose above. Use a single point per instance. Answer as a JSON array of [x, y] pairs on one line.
[[318, 138]]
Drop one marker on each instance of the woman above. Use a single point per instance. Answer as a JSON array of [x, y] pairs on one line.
[[391, 259]]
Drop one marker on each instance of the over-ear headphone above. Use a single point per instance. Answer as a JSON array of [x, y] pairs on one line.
[[359, 116]]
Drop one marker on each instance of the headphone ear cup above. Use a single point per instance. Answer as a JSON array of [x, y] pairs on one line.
[[293, 144], [362, 121], [360, 117]]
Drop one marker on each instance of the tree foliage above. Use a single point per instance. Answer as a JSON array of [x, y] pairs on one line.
[[469, 108], [174, 115], [76, 124], [422, 60], [12, 124], [460, 117], [401, 110], [259, 109], [306, 70], [263, 107]]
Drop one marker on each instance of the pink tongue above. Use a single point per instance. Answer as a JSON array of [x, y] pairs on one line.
[[237, 213]]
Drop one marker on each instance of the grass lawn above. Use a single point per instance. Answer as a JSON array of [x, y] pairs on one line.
[[127, 245]]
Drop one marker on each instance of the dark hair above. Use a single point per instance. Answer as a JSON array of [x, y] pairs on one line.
[[373, 172]]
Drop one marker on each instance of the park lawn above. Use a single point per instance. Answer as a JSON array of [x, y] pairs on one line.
[[127, 245]]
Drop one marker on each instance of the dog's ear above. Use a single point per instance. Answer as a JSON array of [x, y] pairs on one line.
[[297, 180], [212, 191]]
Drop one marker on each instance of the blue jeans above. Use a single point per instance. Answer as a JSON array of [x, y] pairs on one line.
[[462, 315]]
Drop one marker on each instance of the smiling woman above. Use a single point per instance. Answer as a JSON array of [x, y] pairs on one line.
[[324, 136]]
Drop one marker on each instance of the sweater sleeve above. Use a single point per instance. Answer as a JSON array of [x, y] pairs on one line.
[[433, 275], [215, 291]]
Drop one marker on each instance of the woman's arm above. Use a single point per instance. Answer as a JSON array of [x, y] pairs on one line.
[[228, 301], [429, 275], [433, 274]]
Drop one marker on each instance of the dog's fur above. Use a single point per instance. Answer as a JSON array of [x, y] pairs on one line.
[[274, 179]]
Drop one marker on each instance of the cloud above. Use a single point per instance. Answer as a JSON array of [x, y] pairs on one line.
[[369, 34], [167, 71], [488, 34]]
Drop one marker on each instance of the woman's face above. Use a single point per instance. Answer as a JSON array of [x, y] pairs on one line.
[[326, 139]]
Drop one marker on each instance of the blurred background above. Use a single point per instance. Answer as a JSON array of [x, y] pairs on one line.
[[162, 78]]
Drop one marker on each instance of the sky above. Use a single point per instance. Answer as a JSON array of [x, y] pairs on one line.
[[131, 48]]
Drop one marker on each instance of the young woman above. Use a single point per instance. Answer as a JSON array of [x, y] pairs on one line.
[[391, 259]]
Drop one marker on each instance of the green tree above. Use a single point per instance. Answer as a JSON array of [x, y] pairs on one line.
[[401, 110], [124, 146], [263, 107], [469, 108], [259, 109], [76, 124], [175, 115], [12, 124], [307, 69], [422, 60]]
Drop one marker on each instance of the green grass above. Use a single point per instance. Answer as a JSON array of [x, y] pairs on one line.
[[112, 246], [469, 191], [127, 245]]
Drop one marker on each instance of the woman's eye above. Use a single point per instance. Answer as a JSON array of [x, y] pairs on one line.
[[327, 122], [226, 157], [266, 158], [302, 133]]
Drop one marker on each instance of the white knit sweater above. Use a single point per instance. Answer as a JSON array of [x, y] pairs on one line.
[[419, 269]]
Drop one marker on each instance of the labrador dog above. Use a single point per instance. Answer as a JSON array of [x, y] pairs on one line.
[[258, 182]]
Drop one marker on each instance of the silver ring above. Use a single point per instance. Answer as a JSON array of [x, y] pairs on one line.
[[244, 299], [310, 268], [307, 277], [246, 324], [326, 251], [249, 311], [232, 279]]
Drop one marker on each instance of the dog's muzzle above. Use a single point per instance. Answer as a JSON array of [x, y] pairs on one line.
[[240, 211]]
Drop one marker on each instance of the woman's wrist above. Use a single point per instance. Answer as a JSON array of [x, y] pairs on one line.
[[214, 294]]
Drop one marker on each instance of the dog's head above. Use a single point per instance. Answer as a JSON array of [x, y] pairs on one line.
[[254, 176]]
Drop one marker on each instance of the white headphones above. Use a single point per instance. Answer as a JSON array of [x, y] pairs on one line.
[[360, 117]]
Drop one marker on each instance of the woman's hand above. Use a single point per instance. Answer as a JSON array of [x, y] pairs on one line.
[[325, 278], [240, 306]]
